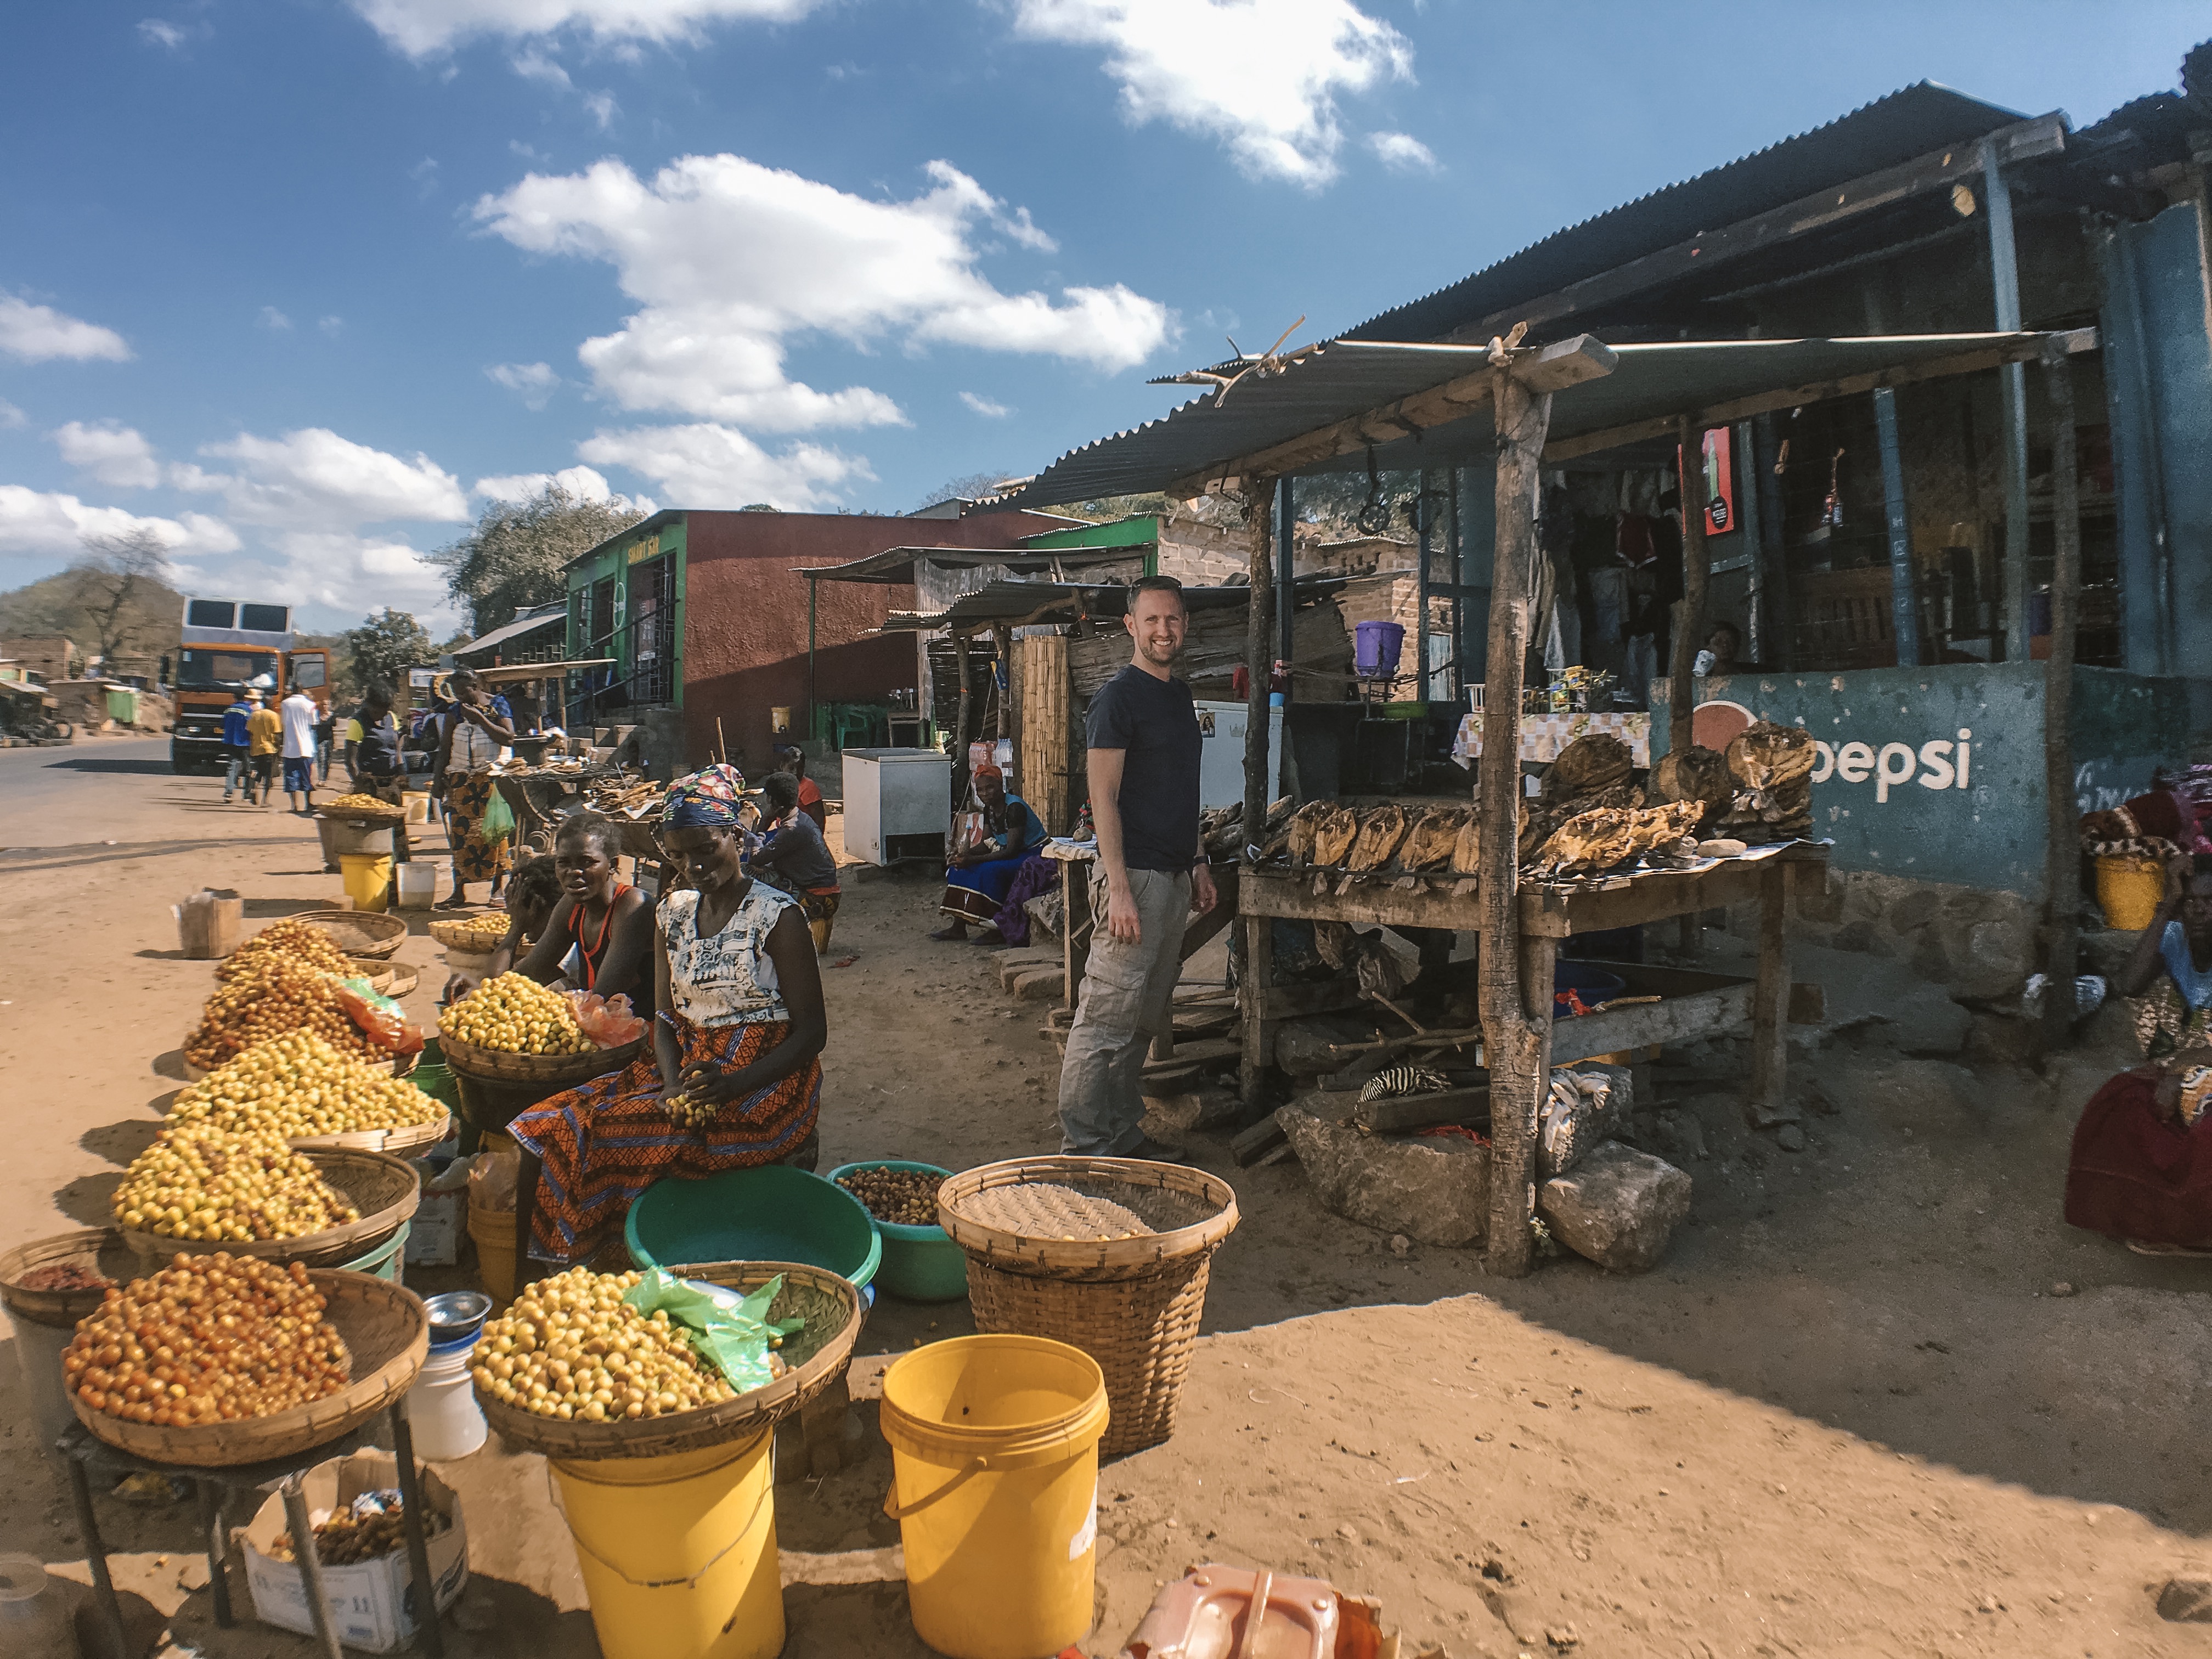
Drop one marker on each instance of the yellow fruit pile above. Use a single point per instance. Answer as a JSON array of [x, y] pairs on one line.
[[301, 942], [297, 1085], [210, 1338], [484, 933], [266, 998], [571, 1348], [518, 1016], [213, 1185], [362, 806]]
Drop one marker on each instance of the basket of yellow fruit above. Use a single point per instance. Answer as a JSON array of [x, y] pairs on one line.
[[571, 1371], [513, 1030], [300, 1090], [359, 933], [257, 1361], [361, 809], [200, 1188], [478, 934]]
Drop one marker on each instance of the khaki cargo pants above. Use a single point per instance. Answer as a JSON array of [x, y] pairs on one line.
[[1127, 989]]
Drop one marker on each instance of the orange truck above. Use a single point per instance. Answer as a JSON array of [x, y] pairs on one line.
[[227, 646]]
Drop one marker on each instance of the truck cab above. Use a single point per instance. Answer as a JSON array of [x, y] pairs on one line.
[[227, 646]]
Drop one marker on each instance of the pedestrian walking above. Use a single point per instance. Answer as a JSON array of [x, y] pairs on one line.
[[1151, 876], [300, 718], [265, 743], [235, 768]]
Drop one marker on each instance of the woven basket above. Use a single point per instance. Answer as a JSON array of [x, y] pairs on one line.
[[384, 1188], [456, 935], [399, 1143], [640, 838], [99, 1249], [817, 1355], [398, 1066], [359, 933], [387, 1333], [405, 979], [1133, 1305], [380, 975], [561, 1071]]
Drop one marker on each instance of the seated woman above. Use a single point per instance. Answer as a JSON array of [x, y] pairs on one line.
[[790, 757], [793, 859], [976, 878], [740, 1030], [2141, 1166], [533, 889], [599, 936]]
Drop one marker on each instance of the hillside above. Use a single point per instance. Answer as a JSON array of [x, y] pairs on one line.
[[60, 604]]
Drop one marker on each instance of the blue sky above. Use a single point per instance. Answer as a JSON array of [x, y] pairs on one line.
[[303, 284]]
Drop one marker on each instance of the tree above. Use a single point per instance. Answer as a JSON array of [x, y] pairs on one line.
[[385, 647], [115, 583], [967, 487], [515, 556]]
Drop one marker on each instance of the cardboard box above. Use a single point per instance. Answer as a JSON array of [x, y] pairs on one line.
[[439, 1220], [373, 1605]]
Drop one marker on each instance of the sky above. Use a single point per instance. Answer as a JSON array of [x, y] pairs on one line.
[[303, 285]]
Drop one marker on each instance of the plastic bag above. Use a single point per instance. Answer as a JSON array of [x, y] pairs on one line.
[[380, 1018], [497, 823], [492, 1177], [608, 1021], [730, 1332]]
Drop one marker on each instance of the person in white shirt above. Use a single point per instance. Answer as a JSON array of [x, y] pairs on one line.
[[300, 715]]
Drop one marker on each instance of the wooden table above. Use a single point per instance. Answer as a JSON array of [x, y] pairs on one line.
[[1547, 914]]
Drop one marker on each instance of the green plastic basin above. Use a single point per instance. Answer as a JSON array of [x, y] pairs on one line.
[[771, 1213], [920, 1264]]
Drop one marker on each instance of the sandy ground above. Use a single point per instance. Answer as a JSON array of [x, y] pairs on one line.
[[1847, 1415]]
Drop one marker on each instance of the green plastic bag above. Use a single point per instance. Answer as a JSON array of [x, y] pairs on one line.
[[730, 1332], [497, 823]]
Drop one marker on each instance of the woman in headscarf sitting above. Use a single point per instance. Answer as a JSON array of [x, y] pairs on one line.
[[979, 872], [2141, 1166], [734, 1076]]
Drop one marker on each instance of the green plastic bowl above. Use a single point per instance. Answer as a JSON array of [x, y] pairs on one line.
[[920, 1264], [770, 1213]]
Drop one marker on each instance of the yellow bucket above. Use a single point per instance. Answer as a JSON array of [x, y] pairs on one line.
[[367, 878], [679, 1552], [2128, 891], [995, 1485], [494, 1232]]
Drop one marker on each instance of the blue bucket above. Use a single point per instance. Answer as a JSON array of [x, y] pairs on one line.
[[1377, 647]]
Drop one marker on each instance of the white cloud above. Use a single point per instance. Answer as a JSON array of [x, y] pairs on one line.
[[534, 382], [333, 327], [730, 259], [275, 320], [47, 522], [602, 107], [11, 417], [313, 480], [113, 454], [986, 406], [356, 575], [422, 27], [1401, 152], [534, 65], [1262, 76], [154, 31], [706, 465], [581, 482], [36, 333]]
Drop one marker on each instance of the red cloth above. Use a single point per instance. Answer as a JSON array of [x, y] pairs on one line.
[[2133, 1175], [810, 802], [2160, 813]]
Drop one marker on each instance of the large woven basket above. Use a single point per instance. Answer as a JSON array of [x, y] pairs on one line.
[[818, 1355], [456, 935], [387, 1333], [560, 1071], [359, 933], [398, 1064], [400, 1143], [384, 1188], [1131, 1304], [100, 1250]]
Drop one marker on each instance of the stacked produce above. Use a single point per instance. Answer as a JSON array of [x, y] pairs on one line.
[[516, 1014], [265, 997], [296, 941], [363, 806], [1695, 774], [907, 1198], [687, 1112], [209, 1339], [297, 1086], [1592, 775], [1772, 766], [571, 1348], [485, 933], [366, 1529], [1591, 841], [63, 1276], [210, 1184]]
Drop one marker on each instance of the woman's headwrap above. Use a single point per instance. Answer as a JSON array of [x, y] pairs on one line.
[[710, 796], [987, 769]]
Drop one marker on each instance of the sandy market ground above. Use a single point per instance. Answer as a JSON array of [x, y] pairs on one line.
[[1846, 1415]]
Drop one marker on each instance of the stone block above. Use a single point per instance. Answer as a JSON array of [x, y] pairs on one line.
[[1617, 1207], [1041, 984], [1822, 903], [1434, 1189], [1915, 910], [1680, 1137], [1196, 1108], [2186, 1601]]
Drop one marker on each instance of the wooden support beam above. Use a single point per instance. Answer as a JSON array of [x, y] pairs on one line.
[[1568, 362], [1770, 1000], [2061, 859], [2042, 135], [1259, 938], [960, 737], [1690, 615]]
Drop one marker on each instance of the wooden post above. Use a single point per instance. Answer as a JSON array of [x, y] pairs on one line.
[[960, 719], [1259, 947], [1515, 1046], [1770, 998], [1689, 625], [1003, 637], [2061, 861]]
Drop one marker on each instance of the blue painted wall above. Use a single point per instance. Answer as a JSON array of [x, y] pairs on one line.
[[1936, 773]]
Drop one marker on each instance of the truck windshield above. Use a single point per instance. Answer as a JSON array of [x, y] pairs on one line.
[[203, 670]]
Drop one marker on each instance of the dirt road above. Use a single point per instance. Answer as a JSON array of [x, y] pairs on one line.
[[1847, 1415]]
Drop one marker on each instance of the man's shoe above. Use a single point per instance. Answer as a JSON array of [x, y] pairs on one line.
[[1157, 1152]]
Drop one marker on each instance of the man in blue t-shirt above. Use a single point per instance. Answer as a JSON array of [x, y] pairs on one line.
[[233, 747], [1150, 877]]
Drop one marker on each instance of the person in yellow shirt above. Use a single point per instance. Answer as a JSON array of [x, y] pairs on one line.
[[265, 740]]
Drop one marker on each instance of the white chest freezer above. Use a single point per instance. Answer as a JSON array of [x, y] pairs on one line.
[[898, 803], [1221, 728]]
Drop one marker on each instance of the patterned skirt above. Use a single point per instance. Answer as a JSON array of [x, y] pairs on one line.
[[603, 1144], [976, 892], [815, 903], [474, 859]]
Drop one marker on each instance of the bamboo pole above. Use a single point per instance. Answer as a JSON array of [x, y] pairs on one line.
[[1516, 1044], [2061, 863]]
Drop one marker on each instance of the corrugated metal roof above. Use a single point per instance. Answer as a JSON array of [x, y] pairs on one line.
[[894, 565], [1352, 377], [527, 621], [1919, 119], [1043, 602]]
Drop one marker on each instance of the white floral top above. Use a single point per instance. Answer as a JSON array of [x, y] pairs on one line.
[[728, 978]]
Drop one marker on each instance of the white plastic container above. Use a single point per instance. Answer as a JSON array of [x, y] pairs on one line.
[[40, 1347], [442, 1409], [417, 884], [33, 1617]]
